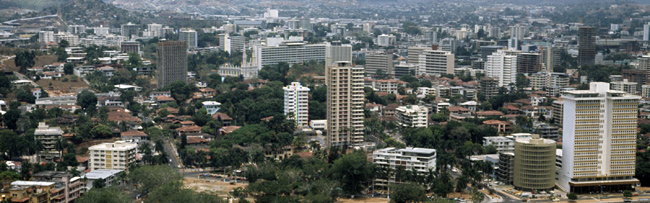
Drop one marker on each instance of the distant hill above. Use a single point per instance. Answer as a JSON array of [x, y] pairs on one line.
[[31, 4], [93, 13]]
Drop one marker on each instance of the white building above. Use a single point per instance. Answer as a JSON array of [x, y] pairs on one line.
[[599, 139], [625, 86], [420, 160], [108, 175], [116, 155], [211, 106], [413, 116], [385, 40], [46, 36], [503, 144], [646, 32], [48, 136], [542, 80], [190, 36], [436, 62], [230, 43], [289, 52], [296, 102], [155, 30], [502, 67], [338, 53]]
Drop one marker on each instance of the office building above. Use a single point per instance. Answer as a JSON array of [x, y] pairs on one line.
[[551, 58], [189, 36], [420, 160], [345, 103], [502, 67], [640, 77], [172, 62], [586, 46], [645, 91], [436, 62], [101, 30], [503, 144], [391, 86], [534, 165], [644, 63], [296, 103], [489, 87], [385, 40], [130, 30], [528, 63], [403, 69], [338, 52], [488, 50], [379, 61], [130, 47], [116, 155], [156, 30], [505, 171], [599, 140], [289, 52], [48, 136], [546, 80], [231, 43], [77, 29], [46, 36], [548, 132], [414, 54], [558, 112], [448, 44], [412, 116], [518, 31], [646, 32]]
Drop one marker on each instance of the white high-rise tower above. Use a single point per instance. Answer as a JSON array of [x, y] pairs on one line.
[[296, 102]]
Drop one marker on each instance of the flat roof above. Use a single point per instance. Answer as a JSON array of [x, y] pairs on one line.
[[31, 183], [101, 173]]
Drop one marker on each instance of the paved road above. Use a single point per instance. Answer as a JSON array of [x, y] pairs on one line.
[[171, 151]]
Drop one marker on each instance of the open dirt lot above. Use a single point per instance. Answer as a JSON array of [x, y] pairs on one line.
[[59, 87], [40, 61], [216, 186]]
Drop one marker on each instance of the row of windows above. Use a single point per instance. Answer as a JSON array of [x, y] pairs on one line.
[[623, 152], [586, 138], [584, 169], [623, 147], [624, 116], [623, 131], [622, 157], [623, 173], [583, 174], [624, 137], [624, 121], [585, 159], [586, 143], [620, 106], [622, 162], [624, 142], [625, 111], [584, 164]]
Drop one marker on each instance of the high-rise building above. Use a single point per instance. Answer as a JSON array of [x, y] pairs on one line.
[[541, 80], [449, 44], [403, 69], [156, 30], [488, 50], [534, 165], [599, 140], [77, 29], [640, 77], [345, 105], [586, 46], [646, 32], [46, 36], [518, 31], [489, 87], [436, 62], [644, 63], [130, 46], [528, 63], [231, 43], [502, 67], [412, 116], [414, 54], [625, 86], [116, 155], [172, 62], [338, 52], [289, 52], [550, 58], [296, 102], [189, 36], [379, 61], [558, 112], [129, 30], [385, 40]]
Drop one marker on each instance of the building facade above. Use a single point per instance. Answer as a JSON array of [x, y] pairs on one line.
[[296, 103], [534, 165], [599, 139], [420, 160], [116, 155], [345, 103], [289, 52], [172, 62], [586, 46], [412, 116], [379, 61], [502, 67], [190, 36], [436, 62], [48, 136]]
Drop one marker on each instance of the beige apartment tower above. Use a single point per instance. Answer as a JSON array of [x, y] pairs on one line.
[[534, 163], [172, 62], [345, 100]]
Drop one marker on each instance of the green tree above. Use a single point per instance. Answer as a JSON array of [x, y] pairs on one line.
[[112, 194], [99, 183], [11, 117], [150, 177], [407, 193], [101, 131], [87, 99], [68, 69], [627, 193], [352, 170], [572, 196]]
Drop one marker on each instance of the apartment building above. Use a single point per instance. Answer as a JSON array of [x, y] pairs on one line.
[[190, 36], [391, 86], [546, 80], [420, 160], [296, 103], [412, 116], [436, 62], [502, 67], [379, 61], [116, 155], [345, 103], [48, 136], [625, 86], [289, 52], [599, 139]]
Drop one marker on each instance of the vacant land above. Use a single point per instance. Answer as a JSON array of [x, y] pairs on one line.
[[40, 62], [58, 87]]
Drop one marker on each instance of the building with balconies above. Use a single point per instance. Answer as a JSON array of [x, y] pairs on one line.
[[116, 155]]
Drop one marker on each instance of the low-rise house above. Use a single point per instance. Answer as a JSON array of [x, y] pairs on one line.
[[501, 126], [134, 136], [489, 114], [189, 129], [110, 177], [162, 99], [224, 118]]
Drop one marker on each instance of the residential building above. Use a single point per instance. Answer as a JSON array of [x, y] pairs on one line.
[[130, 47], [403, 69], [645, 91], [551, 58], [420, 160], [413, 116], [548, 132], [77, 29], [436, 62], [211, 106], [296, 103], [376, 62], [528, 63], [190, 36], [48, 136], [172, 62], [503, 144], [586, 46], [231, 43], [489, 87], [414, 54], [338, 52], [558, 112], [32, 191], [625, 86], [66, 187], [391, 85], [345, 102], [534, 165], [46, 36], [599, 139], [502, 67], [640, 77], [385, 40], [289, 52], [505, 173], [109, 176], [545, 80], [156, 30], [116, 155]]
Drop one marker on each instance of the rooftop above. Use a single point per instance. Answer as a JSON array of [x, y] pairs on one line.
[[31, 183], [101, 173]]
